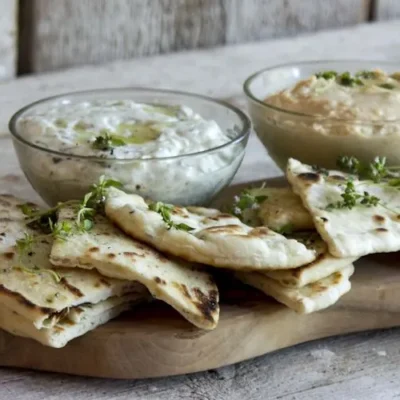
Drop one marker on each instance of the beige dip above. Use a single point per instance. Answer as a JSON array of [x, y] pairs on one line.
[[331, 114]]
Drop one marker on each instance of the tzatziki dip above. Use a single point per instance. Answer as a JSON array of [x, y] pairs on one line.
[[333, 113], [131, 142]]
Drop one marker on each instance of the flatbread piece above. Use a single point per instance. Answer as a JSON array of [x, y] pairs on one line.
[[217, 239], [307, 299], [353, 232], [185, 286]]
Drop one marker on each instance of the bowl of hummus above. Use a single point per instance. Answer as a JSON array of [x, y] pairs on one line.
[[317, 111], [169, 146]]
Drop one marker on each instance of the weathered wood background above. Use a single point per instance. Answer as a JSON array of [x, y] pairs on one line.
[[44, 35]]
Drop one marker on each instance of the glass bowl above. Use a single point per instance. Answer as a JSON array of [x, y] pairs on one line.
[[184, 179], [312, 139]]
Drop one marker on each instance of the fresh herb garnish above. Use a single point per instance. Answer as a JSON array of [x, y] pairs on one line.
[[388, 86], [46, 223], [244, 201], [327, 75], [165, 211], [106, 141], [346, 79], [366, 74], [375, 171], [352, 198], [25, 244]]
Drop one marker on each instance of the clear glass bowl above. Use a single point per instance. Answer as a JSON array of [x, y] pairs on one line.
[[184, 179], [311, 139]]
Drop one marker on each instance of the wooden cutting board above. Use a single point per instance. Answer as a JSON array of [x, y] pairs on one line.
[[155, 341]]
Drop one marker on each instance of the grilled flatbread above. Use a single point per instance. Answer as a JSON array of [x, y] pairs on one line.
[[283, 209], [313, 297], [217, 239], [323, 266], [31, 287], [186, 287], [351, 232], [79, 321]]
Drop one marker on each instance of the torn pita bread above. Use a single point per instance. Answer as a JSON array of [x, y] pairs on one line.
[[283, 209], [217, 239], [31, 287], [324, 265], [79, 321], [351, 232], [186, 287], [313, 297]]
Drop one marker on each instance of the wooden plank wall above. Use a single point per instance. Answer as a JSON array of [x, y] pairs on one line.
[[387, 9], [66, 33], [54, 34], [8, 38]]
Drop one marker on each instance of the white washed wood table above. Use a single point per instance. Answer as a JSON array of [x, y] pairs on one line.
[[360, 367]]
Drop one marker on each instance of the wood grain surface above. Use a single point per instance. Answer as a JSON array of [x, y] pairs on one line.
[[154, 341], [357, 367], [64, 33], [8, 38]]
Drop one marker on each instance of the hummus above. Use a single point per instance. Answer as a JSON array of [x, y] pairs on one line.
[[331, 114], [132, 138], [367, 96]]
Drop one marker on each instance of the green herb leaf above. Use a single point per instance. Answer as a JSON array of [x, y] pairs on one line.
[[352, 198], [106, 141], [366, 74], [327, 75], [346, 79], [246, 200], [388, 86], [165, 211], [394, 182], [25, 245], [376, 171]]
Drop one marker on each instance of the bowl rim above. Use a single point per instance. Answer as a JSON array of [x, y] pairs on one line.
[[249, 94], [242, 135]]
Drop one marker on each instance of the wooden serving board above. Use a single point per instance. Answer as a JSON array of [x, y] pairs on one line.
[[154, 340]]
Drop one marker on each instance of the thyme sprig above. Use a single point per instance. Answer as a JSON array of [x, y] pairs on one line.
[[376, 171], [165, 211], [352, 198], [246, 200], [46, 222], [106, 141]]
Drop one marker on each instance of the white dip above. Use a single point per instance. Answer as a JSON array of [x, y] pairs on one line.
[[119, 131]]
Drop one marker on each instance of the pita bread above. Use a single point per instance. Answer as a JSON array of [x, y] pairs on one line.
[[81, 320], [186, 287], [33, 288], [324, 265], [313, 297], [283, 208], [218, 239], [348, 232]]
